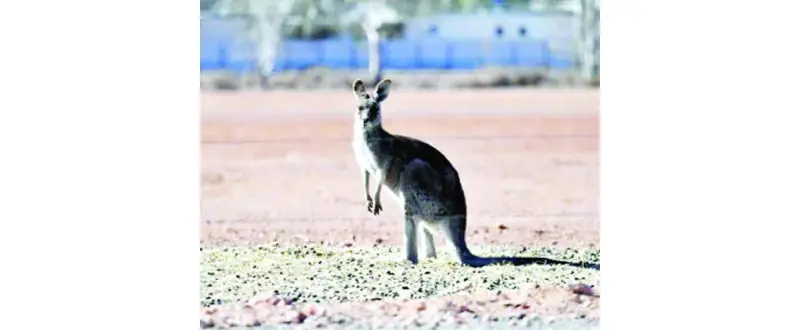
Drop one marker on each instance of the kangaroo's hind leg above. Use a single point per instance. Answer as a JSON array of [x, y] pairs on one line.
[[420, 186], [410, 238], [428, 245]]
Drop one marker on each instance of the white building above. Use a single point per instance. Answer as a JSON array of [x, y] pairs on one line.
[[559, 29]]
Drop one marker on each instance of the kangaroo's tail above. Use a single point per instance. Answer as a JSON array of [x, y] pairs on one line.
[[476, 261], [467, 258], [455, 231]]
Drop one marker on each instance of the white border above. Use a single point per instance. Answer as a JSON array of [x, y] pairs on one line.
[[99, 154], [99, 126], [699, 168]]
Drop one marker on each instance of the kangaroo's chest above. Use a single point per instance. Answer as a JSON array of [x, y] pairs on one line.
[[365, 153]]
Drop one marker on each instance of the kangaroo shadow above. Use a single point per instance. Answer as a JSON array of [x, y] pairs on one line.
[[522, 261]]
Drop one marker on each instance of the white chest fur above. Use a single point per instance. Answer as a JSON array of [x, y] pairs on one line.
[[367, 160], [364, 156]]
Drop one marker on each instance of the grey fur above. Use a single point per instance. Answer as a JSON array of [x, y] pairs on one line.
[[420, 178]]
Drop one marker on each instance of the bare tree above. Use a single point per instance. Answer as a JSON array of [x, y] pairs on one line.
[[590, 40], [371, 15], [587, 12], [265, 20]]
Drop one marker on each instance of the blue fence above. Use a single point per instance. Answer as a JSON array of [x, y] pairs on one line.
[[239, 55], [223, 46]]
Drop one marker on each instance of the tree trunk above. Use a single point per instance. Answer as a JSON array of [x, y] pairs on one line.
[[373, 44], [269, 41], [590, 41]]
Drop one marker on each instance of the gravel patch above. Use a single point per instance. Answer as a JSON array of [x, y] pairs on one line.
[[318, 286]]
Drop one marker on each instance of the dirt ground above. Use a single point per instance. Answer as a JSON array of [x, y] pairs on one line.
[[277, 166]]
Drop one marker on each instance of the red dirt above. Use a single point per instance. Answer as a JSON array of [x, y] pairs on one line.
[[456, 309], [277, 167]]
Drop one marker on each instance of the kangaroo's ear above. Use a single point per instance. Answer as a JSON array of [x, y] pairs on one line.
[[359, 90], [382, 89]]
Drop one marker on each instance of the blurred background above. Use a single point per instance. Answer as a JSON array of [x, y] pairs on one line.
[[470, 77], [289, 44]]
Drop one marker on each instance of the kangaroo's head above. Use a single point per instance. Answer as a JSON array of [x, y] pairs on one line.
[[369, 105]]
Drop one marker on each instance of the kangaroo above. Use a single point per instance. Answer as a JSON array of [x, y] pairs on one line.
[[420, 178]]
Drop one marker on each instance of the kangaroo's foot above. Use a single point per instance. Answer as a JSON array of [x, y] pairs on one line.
[[374, 207], [377, 208]]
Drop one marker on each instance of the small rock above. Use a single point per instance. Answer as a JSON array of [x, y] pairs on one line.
[[582, 289], [295, 317], [226, 321], [502, 227], [206, 323], [263, 299], [206, 320], [348, 244], [247, 318], [314, 310]]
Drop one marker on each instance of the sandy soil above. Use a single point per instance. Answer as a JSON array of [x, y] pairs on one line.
[[277, 167]]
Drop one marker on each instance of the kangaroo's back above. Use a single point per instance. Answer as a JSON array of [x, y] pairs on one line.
[[428, 172]]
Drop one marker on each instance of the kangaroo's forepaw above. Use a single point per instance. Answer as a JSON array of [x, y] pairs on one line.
[[377, 208], [369, 204]]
